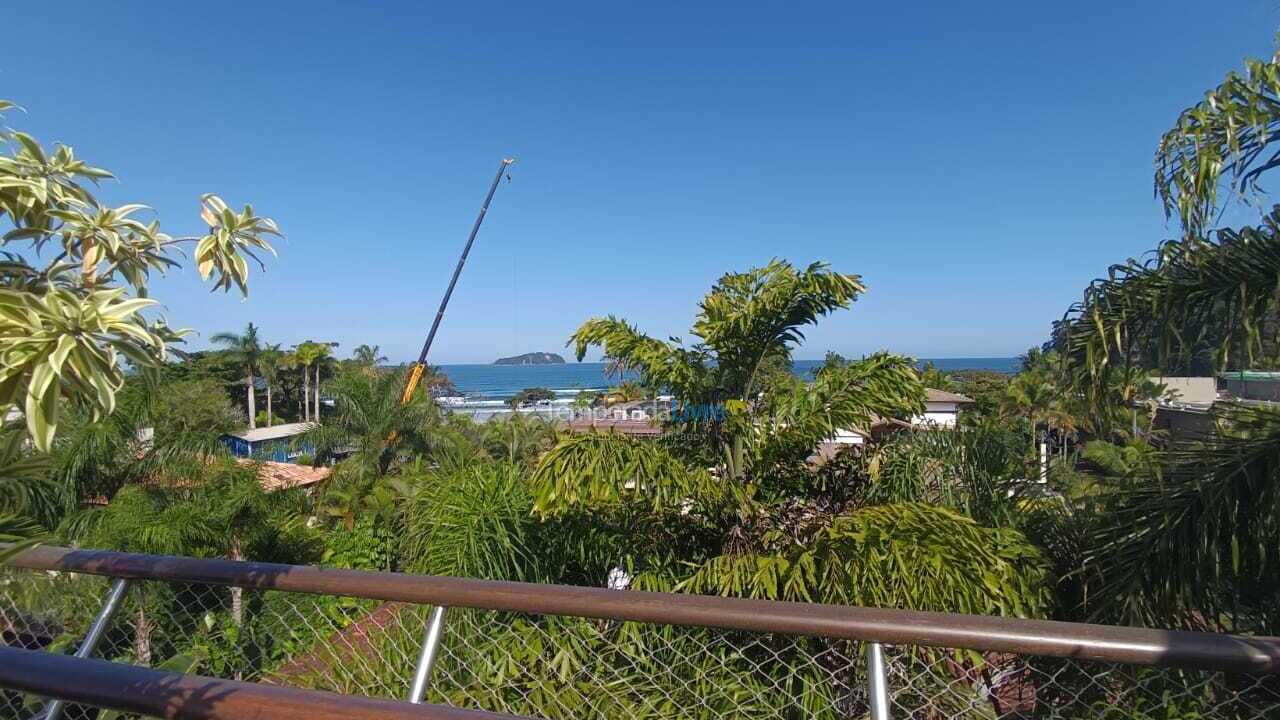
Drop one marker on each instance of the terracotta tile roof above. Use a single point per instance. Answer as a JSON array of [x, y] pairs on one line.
[[278, 475], [942, 396]]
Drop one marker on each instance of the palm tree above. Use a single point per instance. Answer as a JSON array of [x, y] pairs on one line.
[[29, 500], [246, 349], [149, 520], [305, 354], [1197, 542], [749, 524], [368, 356], [371, 424], [1033, 396], [247, 518], [624, 392], [519, 438], [748, 324], [323, 356], [291, 361], [270, 365]]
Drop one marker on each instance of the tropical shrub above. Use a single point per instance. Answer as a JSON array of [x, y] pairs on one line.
[[472, 521], [912, 556], [65, 325]]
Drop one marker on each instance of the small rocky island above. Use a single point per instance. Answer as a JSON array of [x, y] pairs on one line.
[[534, 358]]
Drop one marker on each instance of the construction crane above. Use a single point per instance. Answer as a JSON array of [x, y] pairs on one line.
[[415, 373]]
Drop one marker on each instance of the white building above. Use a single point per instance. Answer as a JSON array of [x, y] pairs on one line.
[[941, 410]]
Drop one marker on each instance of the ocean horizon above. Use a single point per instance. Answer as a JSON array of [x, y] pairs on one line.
[[492, 385]]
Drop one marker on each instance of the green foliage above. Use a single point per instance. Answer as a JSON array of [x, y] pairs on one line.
[[1187, 536], [1135, 458], [369, 545], [368, 356], [932, 377], [245, 350], [531, 396], [747, 326], [145, 520], [745, 319], [1226, 136], [908, 555], [621, 393], [972, 470], [1225, 284], [472, 521], [252, 522], [353, 492], [192, 407], [29, 501], [517, 438], [65, 325], [566, 668], [371, 424], [20, 532], [1198, 542], [601, 471], [793, 416], [92, 459], [985, 387]]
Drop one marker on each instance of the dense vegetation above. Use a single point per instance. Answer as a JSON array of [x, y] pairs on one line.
[[1054, 497]]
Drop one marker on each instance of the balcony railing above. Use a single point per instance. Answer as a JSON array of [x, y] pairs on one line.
[[275, 634]]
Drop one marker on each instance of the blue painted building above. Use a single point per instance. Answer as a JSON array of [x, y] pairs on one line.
[[279, 442]]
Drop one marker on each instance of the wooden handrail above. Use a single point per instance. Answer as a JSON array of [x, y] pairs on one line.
[[1140, 646], [156, 693]]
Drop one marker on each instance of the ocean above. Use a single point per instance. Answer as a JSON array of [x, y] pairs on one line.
[[485, 389]]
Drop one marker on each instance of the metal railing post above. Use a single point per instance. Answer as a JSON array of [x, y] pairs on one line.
[[430, 651], [115, 596], [877, 684]]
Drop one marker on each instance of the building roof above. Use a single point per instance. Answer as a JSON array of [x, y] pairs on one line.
[[635, 428], [638, 405], [942, 396], [280, 476], [1184, 390], [1250, 375], [274, 432]]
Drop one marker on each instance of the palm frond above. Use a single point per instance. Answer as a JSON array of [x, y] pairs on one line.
[[18, 533], [1174, 297], [1230, 134], [26, 492], [472, 522], [1200, 538], [798, 415], [660, 364], [598, 471], [907, 555], [750, 317]]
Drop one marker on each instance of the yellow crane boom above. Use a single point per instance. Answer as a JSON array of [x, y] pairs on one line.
[[415, 373]]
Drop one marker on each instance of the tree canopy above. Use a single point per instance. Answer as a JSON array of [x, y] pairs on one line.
[[74, 280]]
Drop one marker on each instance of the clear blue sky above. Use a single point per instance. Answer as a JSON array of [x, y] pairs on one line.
[[977, 163]]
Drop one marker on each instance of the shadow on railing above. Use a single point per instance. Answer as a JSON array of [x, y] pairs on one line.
[[560, 651]]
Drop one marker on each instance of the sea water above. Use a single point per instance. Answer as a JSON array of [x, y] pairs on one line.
[[485, 389]]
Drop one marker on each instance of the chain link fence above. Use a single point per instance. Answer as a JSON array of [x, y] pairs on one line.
[[558, 667]]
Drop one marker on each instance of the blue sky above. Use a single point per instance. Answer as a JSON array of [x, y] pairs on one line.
[[977, 163]]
